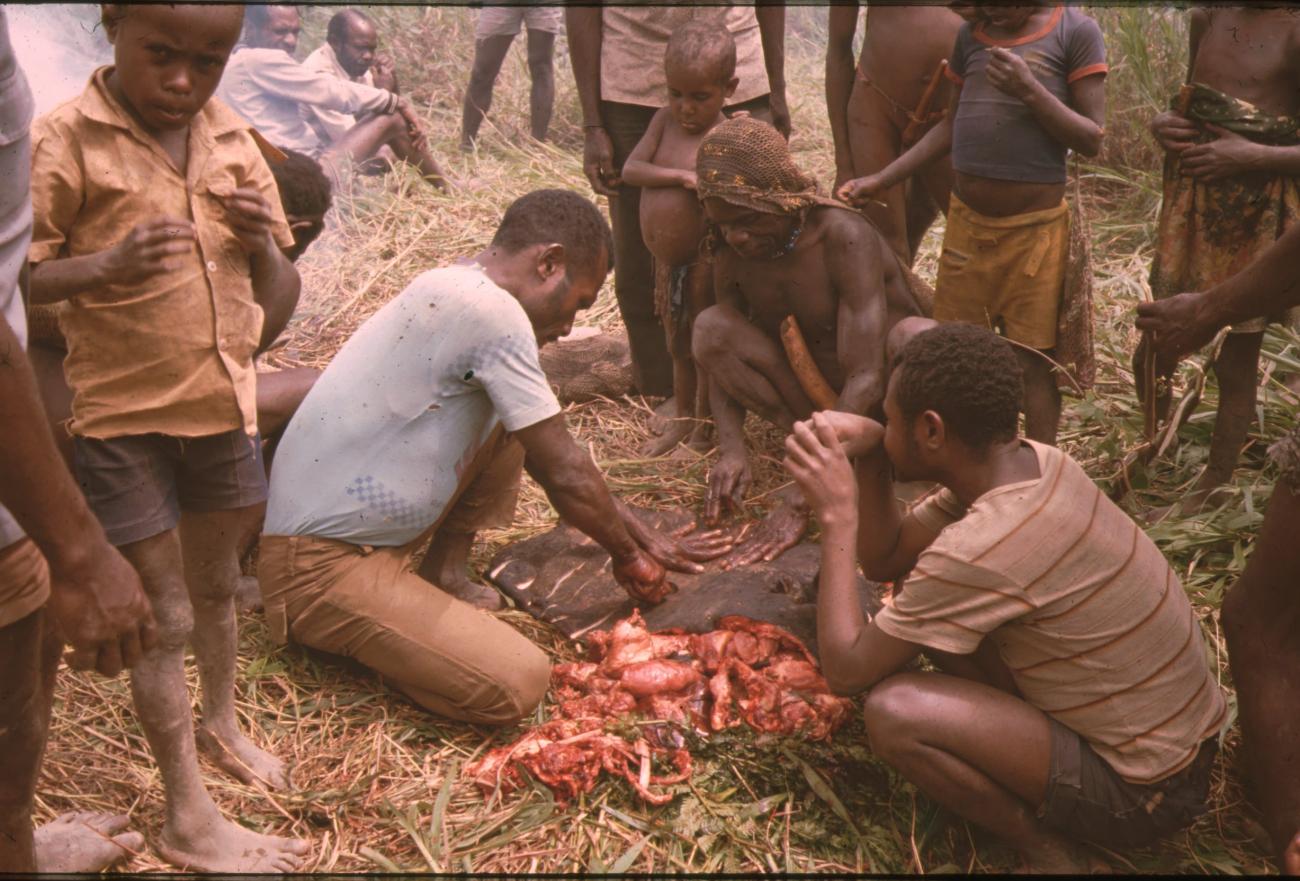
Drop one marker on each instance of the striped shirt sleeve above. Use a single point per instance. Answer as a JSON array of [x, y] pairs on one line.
[[950, 605]]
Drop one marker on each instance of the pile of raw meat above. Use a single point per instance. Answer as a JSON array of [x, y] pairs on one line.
[[624, 711]]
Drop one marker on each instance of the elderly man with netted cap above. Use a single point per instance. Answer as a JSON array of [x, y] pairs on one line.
[[807, 292]]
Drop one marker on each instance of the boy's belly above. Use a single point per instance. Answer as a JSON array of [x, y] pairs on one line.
[[672, 224], [1004, 198]]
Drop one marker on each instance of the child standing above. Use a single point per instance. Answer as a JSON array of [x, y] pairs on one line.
[[700, 67], [1029, 86], [157, 220], [1231, 188]]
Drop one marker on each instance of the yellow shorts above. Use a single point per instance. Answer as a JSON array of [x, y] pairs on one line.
[[1005, 273], [24, 581]]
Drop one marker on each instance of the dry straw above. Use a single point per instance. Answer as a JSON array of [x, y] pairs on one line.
[[377, 785]]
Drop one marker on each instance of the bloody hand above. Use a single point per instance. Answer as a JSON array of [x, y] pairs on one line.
[[728, 482], [643, 578]]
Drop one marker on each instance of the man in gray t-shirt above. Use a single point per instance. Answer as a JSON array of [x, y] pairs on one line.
[[418, 431]]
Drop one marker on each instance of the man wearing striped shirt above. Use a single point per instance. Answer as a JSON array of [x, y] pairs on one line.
[[1076, 700]]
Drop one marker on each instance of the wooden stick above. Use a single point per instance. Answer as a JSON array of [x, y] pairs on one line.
[[810, 378], [923, 107]]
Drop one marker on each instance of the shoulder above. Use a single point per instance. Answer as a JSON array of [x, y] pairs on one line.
[[1080, 25], [845, 230]]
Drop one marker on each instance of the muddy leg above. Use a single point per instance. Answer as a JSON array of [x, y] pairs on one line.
[[1236, 369], [541, 68], [489, 54], [1261, 620], [195, 836], [26, 686], [874, 141], [210, 543]]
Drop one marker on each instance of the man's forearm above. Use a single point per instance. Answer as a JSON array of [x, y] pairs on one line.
[[863, 393], [1267, 286], [729, 419], [583, 26], [1067, 126], [35, 485], [840, 620], [577, 490], [276, 288], [880, 524], [53, 281], [771, 32], [1278, 160], [936, 143]]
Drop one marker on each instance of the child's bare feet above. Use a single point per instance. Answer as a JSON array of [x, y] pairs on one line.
[[218, 845], [235, 754], [84, 842]]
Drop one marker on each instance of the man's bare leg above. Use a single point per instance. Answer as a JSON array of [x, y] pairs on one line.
[[1042, 397], [541, 67], [751, 368], [874, 143], [195, 836], [75, 842], [489, 54], [978, 751], [1236, 369], [210, 546], [1261, 620], [363, 140]]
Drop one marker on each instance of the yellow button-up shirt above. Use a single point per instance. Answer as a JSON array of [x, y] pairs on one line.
[[173, 354]]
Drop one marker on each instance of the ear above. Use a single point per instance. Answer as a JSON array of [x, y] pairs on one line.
[[933, 433], [730, 88], [551, 261]]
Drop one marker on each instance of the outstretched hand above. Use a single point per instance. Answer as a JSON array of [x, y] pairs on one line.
[[861, 191], [773, 536], [683, 549]]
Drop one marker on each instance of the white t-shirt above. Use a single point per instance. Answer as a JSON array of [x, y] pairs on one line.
[[376, 451]]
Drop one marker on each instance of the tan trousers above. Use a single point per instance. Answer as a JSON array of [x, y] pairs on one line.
[[367, 603]]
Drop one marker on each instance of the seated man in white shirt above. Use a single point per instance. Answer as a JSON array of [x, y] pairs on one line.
[[417, 434], [265, 85]]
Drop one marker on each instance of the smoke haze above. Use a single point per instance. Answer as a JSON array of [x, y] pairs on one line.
[[58, 45]]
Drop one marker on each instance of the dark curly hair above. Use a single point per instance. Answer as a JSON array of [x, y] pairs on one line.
[[336, 32], [699, 45], [968, 375], [560, 216]]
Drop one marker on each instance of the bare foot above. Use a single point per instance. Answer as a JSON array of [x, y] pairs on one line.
[[1290, 858], [1056, 856], [248, 595], [674, 432], [237, 756], [477, 595], [223, 846], [85, 842], [663, 414]]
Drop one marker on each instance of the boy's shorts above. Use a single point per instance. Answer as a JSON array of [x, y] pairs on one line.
[[504, 21], [138, 485], [1004, 273], [1089, 801], [24, 581]]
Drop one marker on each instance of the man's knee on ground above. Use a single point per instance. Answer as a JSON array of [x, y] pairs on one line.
[[506, 698], [890, 712]]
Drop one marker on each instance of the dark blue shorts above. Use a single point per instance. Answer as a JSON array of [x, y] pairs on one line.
[[138, 485]]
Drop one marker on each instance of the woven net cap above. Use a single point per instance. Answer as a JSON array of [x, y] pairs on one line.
[[746, 162]]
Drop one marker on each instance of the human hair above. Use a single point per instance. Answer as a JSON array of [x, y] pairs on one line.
[[258, 15], [304, 188], [560, 216], [968, 375], [336, 31], [700, 45]]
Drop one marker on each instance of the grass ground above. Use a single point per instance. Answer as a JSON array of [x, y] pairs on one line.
[[378, 785]]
